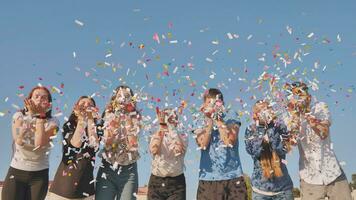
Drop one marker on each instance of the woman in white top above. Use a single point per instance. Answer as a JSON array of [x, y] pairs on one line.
[[32, 129], [168, 146]]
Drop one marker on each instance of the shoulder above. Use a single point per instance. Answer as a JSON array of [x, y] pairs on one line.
[[17, 116], [233, 122], [320, 106]]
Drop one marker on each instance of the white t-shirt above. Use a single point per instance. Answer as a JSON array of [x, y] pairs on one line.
[[167, 163], [26, 157], [318, 163]]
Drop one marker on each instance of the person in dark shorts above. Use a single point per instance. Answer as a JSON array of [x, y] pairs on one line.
[[74, 177], [220, 175], [168, 146], [32, 130]]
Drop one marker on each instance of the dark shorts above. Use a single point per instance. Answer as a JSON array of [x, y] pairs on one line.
[[233, 189], [166, 188], [25, 185]]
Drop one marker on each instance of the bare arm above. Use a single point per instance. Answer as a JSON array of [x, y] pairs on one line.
[[76, 140], [133, 129], [156, 141], [42, 134], [228, 133], [92, 132], [204, 136], [18, 131], [320, 127], [179, 145]]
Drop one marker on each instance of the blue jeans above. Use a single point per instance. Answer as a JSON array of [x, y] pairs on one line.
[[122, 186], [285, 195]]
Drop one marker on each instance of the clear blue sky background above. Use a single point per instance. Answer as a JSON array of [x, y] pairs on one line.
[[38, 38]]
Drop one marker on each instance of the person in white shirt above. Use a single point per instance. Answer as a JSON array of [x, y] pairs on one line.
[[168, 146], [32, 131], [320, 172]]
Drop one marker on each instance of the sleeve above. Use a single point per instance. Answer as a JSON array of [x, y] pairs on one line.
[[276, 136], [321, 112], [253, 142], [17, 116]]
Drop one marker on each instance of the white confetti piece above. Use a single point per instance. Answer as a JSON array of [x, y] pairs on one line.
[[216, 42], [103, 176], [229, 35], [338, 38], [310, 35], [209, 59], [79, 23], [58, 114], [289, 29], [15, 106], [173, 41], [175, 70], [284, 161], [249, 37], [342, 163], [2, 114], [74, 54]]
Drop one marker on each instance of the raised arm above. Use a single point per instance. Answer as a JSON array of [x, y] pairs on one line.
[[253, 142], [228, 132], [204, 134], [156, 141]]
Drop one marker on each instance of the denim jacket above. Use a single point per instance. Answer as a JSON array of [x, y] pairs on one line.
[[253, 140]]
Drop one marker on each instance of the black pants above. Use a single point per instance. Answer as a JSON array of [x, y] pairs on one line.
[[233, 189], [25, 185], [166, 188]]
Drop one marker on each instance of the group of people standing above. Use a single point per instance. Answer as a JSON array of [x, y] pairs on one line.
[[114, 135]]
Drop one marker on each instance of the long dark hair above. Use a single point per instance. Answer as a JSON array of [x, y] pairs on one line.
[[49, 112], [73, 119]]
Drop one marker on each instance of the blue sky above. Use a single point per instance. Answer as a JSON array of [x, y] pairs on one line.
[[38, 38]]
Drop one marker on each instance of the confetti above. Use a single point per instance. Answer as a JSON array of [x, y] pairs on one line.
[[79, 23]]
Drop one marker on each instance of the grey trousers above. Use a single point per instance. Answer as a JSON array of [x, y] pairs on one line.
[[337, 190]]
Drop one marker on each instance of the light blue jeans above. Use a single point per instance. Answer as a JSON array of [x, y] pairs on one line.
[[285, 195], [122, 186]]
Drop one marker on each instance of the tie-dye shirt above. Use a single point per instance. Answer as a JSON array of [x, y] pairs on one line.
[[219, 162]]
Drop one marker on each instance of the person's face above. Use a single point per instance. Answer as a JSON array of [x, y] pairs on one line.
[[211, 102], [123, 95], [172, 117], [263, 112], [299, 101], [40, 98], [85, 103]]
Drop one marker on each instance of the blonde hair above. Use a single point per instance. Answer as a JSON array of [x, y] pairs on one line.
[[270, 162]]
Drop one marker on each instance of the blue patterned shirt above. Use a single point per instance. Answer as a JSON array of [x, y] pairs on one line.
[[253, 141], [219, 162]]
